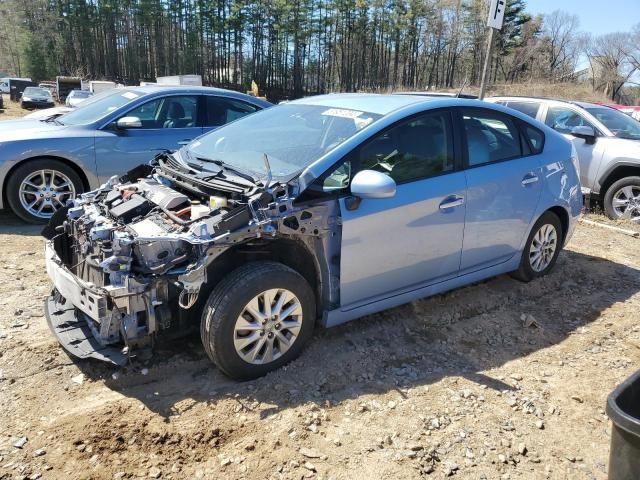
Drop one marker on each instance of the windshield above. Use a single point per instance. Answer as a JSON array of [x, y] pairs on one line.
[[99, 106], [36, 91], [620, 124], [291, 135]]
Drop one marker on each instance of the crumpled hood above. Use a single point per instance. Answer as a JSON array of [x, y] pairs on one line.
[[23, 129]]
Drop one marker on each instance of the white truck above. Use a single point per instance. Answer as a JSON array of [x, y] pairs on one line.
[[97, 86], [193, 80]]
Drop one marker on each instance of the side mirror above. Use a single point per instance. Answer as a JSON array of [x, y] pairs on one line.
[[588, 134], [372, 184], [125, 123]]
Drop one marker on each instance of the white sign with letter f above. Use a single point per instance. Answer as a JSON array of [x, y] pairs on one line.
[[496, 13]]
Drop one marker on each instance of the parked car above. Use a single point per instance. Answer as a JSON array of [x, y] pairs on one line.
[[43, 164], [76, 97], [320, 210], [36, 97], [608, 146], [48, 113]]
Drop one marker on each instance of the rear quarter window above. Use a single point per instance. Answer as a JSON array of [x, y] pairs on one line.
[[534, 136]]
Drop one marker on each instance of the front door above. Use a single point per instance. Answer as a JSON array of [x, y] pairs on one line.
[[167, 123], [401, 243], [504, 184]]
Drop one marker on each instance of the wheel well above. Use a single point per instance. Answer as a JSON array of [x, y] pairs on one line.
[[563, 215], [76, 168], [616, 174], [294, 254]]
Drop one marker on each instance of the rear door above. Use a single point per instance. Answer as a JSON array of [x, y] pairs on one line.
[[222, 110], [167, 123], [401, 243], [504, 183]]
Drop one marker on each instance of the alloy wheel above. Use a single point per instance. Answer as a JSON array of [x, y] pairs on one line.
[[626, 203], [543, 247], [44, 191], [268, 326]]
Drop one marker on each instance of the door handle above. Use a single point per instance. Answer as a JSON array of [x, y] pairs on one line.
[[452, 201], [529, 178]]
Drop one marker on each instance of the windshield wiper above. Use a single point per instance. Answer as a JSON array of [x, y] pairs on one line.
[[228, 168]]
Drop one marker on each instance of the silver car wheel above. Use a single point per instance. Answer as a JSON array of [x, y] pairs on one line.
[[44, 191], [268, 326], [626, 203], [543, 247]]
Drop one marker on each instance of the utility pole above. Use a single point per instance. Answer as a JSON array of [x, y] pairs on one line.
[[496, 18], [487, 62]]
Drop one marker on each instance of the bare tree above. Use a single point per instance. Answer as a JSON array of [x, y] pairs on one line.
[[611, 67], [560, 34]]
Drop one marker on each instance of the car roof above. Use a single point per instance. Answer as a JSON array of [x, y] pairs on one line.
[[439, 94], [151, 89], [381, 104], [516, 98]]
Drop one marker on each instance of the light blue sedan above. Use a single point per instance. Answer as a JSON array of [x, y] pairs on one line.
[[318, 211], [45, 163]]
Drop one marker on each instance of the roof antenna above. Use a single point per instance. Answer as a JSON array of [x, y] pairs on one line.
[[464, 85], [268, 168]]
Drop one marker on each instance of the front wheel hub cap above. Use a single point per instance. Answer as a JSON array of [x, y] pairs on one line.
[[44, 191], [268, 326], [626, 203]]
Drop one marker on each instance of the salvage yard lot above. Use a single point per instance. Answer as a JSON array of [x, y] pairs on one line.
[[496, 380]]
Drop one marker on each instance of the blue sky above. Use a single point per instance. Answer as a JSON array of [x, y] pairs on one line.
[[596, 16]]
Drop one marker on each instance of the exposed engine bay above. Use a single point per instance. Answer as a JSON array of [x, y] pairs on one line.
[[131, 258]]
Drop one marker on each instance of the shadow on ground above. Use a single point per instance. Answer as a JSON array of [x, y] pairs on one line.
[[10, 224], [461, 333]]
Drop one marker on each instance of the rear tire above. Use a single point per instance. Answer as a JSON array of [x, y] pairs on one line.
[[542, 248], [47, 182], [623, 198], [242, 330]]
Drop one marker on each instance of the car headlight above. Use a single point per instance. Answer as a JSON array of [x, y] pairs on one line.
[[574, 159], [26, 99]]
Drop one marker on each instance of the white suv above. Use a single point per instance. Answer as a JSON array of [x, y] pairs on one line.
[[608, 145]]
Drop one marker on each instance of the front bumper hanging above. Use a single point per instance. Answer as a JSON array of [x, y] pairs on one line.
[[72, 331]]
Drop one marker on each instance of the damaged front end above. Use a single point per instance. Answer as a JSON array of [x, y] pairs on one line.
[[129, 260]]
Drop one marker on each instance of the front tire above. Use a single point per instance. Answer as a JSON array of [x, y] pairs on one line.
[[257, 319], [622, 199], [37, 188], [542, 248]]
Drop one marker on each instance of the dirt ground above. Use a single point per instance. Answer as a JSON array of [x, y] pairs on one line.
[[496, 380], [499, 380]]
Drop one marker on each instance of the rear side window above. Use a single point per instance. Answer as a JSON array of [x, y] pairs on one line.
[[491, 136], [528, 108], [224, 110]]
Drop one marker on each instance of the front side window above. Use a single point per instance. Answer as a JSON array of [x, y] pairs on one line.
[[528, 108], [168, 112], [491, 136], [419, 148], [225, 110], [563, 119]]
